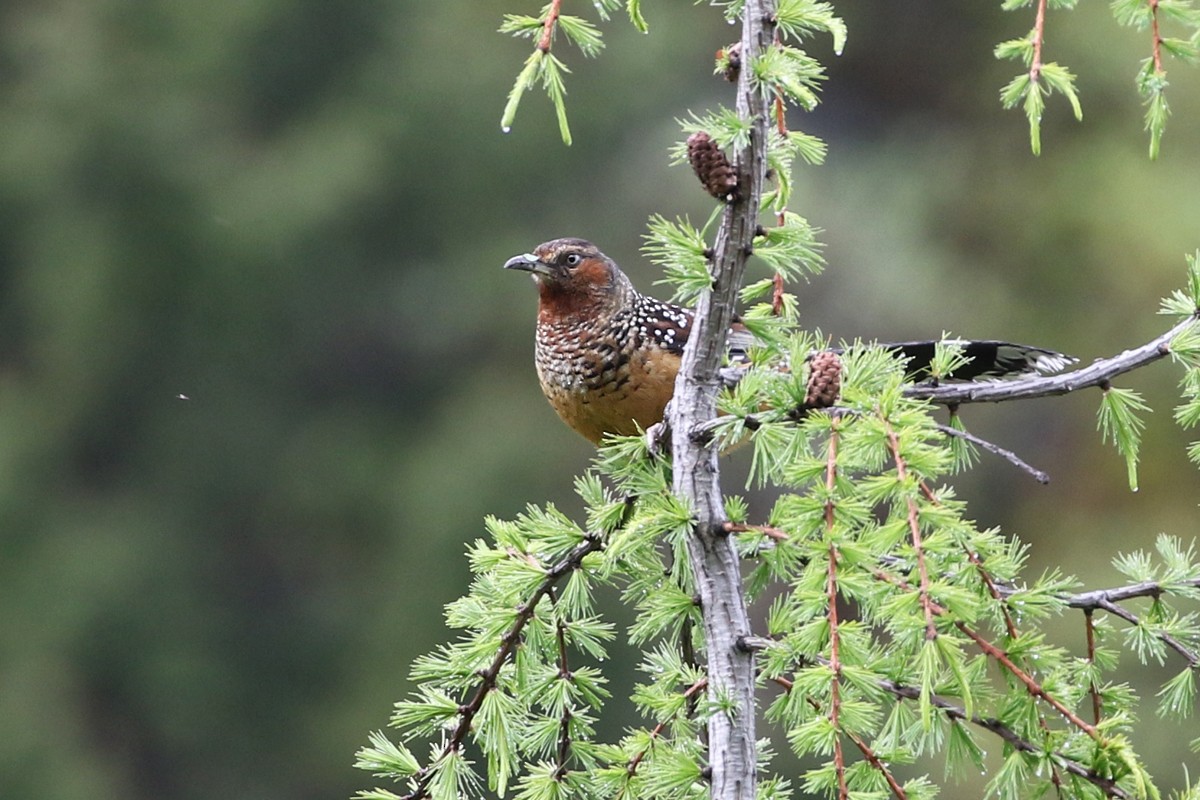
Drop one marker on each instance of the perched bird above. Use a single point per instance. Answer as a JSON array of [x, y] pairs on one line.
[[607, 355]]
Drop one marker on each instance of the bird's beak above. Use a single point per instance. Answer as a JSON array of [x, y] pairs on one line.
[[528, 262]]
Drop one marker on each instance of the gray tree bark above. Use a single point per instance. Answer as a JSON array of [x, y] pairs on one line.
[[696, 479]]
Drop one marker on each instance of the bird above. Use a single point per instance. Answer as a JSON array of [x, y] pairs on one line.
[[607, 355]]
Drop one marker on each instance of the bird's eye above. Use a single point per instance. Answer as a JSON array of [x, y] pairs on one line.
[[573, 259]]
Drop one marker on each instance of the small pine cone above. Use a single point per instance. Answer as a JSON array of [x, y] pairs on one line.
[[711, 166], [824, 380], [729, 60]]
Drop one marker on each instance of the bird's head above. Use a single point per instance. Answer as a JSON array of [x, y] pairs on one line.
[[573, 276]]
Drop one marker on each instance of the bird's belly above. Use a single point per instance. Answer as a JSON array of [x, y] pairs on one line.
[[607, 391]]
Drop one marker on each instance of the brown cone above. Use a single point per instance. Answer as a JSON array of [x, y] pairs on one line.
[[824, 380], [711, 166]]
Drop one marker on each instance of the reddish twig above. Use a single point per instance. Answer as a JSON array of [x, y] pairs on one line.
[[1031, 684], [914, 529], [1157, 47], [548, 25], [1000, 657], [777, 293], [875, 761], [1039, 37], [1009, 625], [831, 590], [656, 731], [777, 534], [870, 755], [955, 712]]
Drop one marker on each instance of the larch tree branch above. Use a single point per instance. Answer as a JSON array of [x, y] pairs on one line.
[[696, 475]]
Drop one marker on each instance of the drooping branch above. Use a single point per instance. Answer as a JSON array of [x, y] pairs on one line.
[[1108, 786], [956, 712], [696, 477], [570, 562]]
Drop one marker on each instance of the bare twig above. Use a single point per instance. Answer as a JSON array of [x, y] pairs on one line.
[[1098, 597], [995, 449]]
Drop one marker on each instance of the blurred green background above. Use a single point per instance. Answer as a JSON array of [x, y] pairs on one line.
[[294, 215]]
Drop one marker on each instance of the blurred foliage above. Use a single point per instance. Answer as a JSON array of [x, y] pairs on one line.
[[294, 214]]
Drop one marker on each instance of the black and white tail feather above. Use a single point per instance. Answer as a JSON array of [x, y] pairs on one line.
[[986, 359]]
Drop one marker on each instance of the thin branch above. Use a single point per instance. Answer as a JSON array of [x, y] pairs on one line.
[[1093, 690], [1097, 373], [1000, 657], [1097, 597], [777, 534], [988, 581], [831, 592], [995, 449], [872, 758], [875, 761], [1010, 625], [1107, 599], [564, 723], [1170, 641], [1031, 684], [690, 694]]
